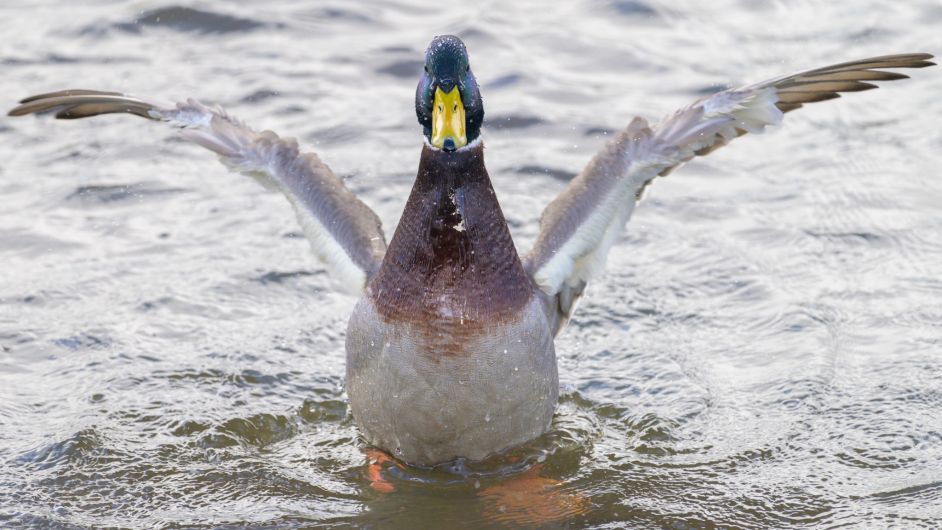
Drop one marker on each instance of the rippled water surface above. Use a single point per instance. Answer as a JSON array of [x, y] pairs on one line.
[[763, 351]]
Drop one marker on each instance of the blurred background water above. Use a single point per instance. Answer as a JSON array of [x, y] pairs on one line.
[[764, 350]]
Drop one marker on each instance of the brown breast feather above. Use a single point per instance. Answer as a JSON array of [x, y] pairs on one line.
[[451, 270]]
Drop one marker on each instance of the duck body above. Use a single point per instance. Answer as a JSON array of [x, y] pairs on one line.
[[450, 346], [450, 350]]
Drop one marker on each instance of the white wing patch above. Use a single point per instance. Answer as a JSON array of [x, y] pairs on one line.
[[344, 233], [346, 275], [268, 158], [579, 227], [644, 154]]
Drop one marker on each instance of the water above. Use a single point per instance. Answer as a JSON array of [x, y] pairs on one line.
[[764, 350]]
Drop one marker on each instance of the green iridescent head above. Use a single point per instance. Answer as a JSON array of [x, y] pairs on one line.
[[447, 101]]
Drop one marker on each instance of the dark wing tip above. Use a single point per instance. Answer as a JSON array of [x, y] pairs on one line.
[[46, 102], [911, 60], [69, 92], [19, 110], [915, 64], [74, 104], [822, 84]]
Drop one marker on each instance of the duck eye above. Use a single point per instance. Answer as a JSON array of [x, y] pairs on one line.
[[426, 69], [467, 68]]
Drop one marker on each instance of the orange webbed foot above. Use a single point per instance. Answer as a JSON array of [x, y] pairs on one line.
[[529, 499], [374, 470]]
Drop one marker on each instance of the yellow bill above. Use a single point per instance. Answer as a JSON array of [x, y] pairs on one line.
[[448, 120]]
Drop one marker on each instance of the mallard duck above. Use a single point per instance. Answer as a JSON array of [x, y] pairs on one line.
[[450, 348]]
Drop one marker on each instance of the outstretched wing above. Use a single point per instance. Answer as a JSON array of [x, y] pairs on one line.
[[578, 227], [343, 231]]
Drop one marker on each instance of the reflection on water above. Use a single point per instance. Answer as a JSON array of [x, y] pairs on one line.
[[763, 352]]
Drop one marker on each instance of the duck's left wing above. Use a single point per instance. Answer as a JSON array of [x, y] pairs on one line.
[[578, 227], [344, 232]]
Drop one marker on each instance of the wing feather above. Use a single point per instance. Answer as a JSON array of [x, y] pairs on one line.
[[343, 231], [579, 227]]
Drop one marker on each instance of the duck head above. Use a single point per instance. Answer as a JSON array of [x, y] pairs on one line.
[[447, 101]]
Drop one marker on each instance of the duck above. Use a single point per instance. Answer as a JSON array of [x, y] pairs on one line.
[[450, 346]]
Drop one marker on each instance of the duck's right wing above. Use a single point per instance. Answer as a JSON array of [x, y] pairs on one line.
[[579, 227], [344, 232]]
